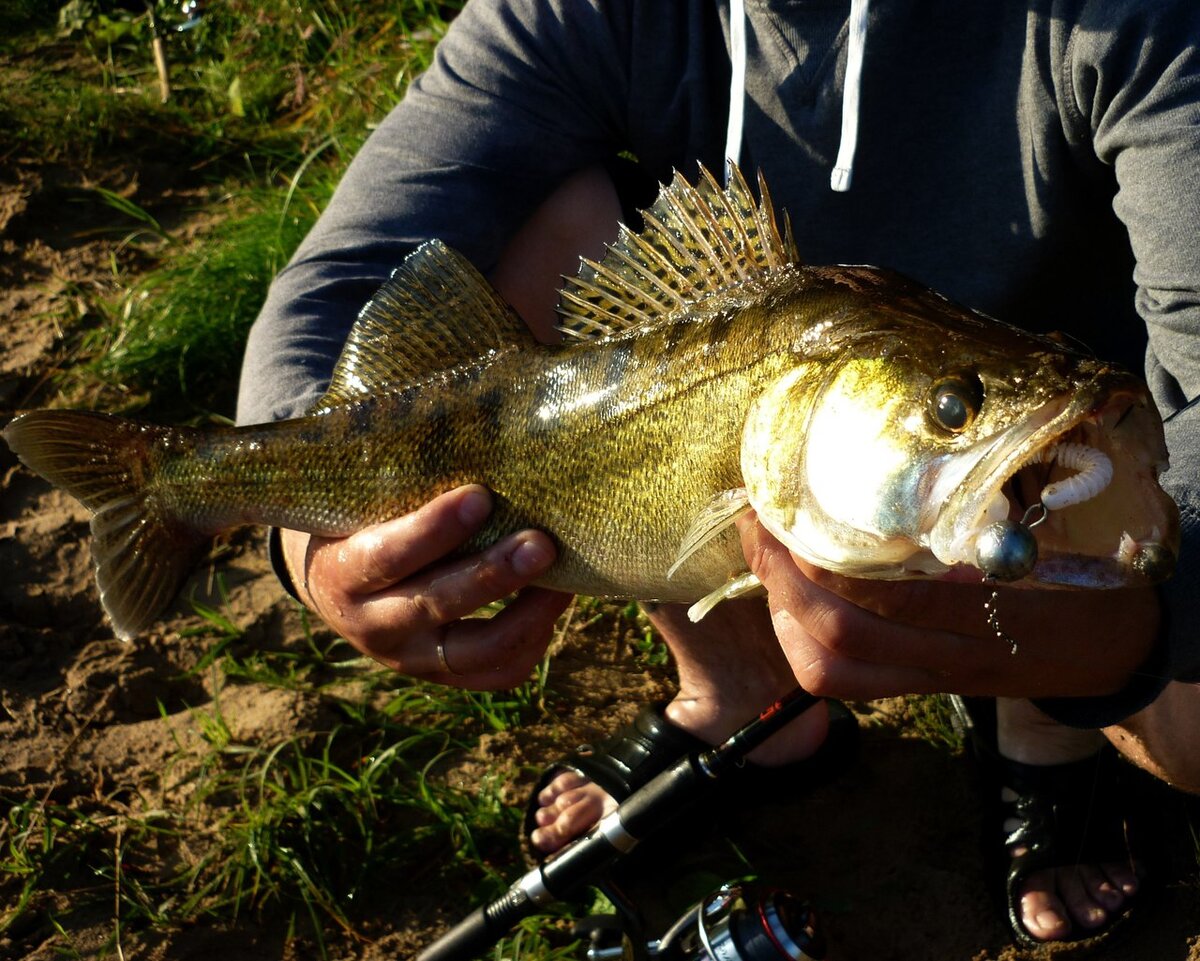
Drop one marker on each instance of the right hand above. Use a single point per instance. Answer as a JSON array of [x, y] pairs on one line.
[[391, 593], [863, 639]]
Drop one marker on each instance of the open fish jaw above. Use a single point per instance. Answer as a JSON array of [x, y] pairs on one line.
[[1119, 533]]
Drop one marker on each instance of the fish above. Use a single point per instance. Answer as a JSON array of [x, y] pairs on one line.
[[873, 426]]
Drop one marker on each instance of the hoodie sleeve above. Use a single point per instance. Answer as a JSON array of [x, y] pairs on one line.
[[1129, 88], [519, 95]]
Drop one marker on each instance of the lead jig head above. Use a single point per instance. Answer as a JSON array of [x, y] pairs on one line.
[[1006, 550]]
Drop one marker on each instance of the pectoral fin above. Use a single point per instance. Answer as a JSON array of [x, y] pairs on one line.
[[713, 518], [739, 586]]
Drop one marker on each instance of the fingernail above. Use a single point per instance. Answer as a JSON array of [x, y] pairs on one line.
[[529, 558], [474, 506]]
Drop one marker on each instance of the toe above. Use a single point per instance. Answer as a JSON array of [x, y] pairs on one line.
[[553, 835], [554, 809], [581, 816], [1101, 889], [1043, 914], [566, 781], [569, 814], [545, 840], [1075, 886], [1124, 876]]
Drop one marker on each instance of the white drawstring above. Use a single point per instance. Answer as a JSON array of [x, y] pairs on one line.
[[843, 168], [737, 84]]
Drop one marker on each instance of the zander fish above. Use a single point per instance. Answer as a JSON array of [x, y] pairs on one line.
[[874, 427]]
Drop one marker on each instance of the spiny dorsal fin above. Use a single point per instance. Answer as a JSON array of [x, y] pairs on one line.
[[697, 241], [434, 313]]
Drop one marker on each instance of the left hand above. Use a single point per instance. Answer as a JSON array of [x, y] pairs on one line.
[[398, 592], [863, 639]]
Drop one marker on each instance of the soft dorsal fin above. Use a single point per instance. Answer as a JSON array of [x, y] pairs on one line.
[[697, 241], [435, 313]]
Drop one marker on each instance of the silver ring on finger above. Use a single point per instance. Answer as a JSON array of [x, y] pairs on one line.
[[441, 656]]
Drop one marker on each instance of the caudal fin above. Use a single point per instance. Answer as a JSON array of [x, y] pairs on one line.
[[142, 552]]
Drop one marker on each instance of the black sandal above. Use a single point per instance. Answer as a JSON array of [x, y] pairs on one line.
[[639, 751], [688, 859], [1065, 814]]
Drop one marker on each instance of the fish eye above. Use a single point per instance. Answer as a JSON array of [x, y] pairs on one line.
[[954, 402]]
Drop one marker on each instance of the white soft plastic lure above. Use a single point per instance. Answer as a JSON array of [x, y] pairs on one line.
[[1094, 472]]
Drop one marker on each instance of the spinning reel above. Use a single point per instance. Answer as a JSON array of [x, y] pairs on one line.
[[738, 922]]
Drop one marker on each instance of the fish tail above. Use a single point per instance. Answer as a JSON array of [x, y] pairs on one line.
[[142, 550]]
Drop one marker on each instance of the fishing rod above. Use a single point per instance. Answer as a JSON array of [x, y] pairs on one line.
[[636, 818]]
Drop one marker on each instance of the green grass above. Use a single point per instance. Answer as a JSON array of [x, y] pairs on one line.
[[931, 718], [311, 826], [268, 103], [170, 338], [269, 79], [323, 829]]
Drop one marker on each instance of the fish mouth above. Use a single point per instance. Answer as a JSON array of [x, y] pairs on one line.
[[1081, 475]]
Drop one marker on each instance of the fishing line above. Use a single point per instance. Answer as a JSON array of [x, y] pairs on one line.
[[991, 605], [993, 621]]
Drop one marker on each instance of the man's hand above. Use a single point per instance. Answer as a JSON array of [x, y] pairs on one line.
[[390, 592], [862, 639]]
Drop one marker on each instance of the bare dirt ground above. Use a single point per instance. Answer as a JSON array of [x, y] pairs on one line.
[[888, 852]]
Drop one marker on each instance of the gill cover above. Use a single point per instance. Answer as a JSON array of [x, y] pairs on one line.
[[831, 467]]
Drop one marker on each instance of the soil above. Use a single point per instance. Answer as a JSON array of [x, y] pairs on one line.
[[888, 851]]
